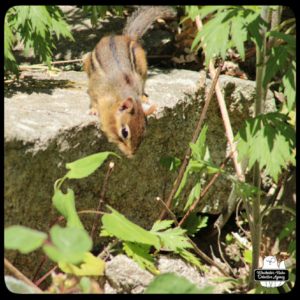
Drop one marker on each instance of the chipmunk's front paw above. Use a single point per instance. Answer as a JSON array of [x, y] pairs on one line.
[[93, 111], [149, 109]]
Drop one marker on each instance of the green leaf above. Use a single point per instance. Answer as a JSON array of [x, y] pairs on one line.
[[194, 223], [90, 266], [215, 36], [247, 254], [254, 23], [199, 162], [170, 283], [289, 228], [192, 11], [161, 225], [209, 9], [85, 285], [191, 258], [245, 190], [239, 35], [277, 61], [169, 162], [17, 286], [229, 238], [268, 139], [288, 38], [173, 239], [117, 225], [140, 254], [23, 239], [289, 83], [182, 183], [194, 194], [69, 245], [199, 148], [65, 204], [85, 166]]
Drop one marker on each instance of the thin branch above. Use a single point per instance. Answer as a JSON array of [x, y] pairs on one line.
[[229, 134], [107, 248], [90, 211], [221, 252], [237, 218], [71, 61], [225, 116], [279, 207], [194, 138], [102, 195], [44, 259], [208, 259], [18, 274], [172, 215], [38, 282]]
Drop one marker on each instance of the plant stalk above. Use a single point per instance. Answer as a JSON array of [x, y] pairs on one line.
[[261, 92]]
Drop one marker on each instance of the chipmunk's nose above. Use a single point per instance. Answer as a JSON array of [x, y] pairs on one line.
[[130, 155]]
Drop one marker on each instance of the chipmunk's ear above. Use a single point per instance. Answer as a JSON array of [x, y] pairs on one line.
[[127, 105]]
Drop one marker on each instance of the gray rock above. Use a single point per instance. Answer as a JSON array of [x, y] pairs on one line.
[[124, 276], [47, 126]]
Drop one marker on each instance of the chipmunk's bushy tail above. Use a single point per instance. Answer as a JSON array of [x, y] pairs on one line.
[[140, 21]]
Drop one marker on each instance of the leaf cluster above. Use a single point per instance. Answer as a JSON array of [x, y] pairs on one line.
[[226, 27], [199, 163], [37, 27], [96, 12], [269, 140], [138, 242], [69, 246]]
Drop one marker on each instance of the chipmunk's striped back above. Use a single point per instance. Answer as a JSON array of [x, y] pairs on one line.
[[117, 70]]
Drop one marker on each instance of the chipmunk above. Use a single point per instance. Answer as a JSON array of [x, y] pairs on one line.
[[117, 71]]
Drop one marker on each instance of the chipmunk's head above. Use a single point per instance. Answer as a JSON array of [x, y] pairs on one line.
[[126, 127]]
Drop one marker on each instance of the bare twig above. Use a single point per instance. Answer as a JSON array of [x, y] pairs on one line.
[[44, 259], [229, 134], [208, 259], [90, 211], [172, 215], [18, 274], [221, 252], [107, 248], [194, 138], [224, 112], [70, 61], [102, 195], [38, 282], [237, 218]]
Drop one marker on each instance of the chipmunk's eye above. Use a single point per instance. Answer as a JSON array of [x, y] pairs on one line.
[[124, 132]]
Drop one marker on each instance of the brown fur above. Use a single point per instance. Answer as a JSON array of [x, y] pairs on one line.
[[117, 70]]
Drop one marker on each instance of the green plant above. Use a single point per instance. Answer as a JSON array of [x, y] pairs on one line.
[[267, 142], [99, 11], [37, 27], [69, 246], [170, 283], [137, 242]]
